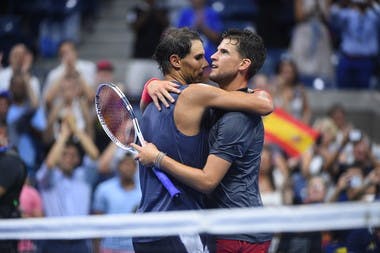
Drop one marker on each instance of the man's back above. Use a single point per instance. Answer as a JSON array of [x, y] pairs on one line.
[[160, 128]]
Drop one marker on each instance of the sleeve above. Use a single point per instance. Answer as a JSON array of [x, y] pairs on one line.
[[44, 176], [232, 134], [100, 201]]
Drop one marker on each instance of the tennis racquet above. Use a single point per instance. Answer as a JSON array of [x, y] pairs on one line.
[[119, 121]]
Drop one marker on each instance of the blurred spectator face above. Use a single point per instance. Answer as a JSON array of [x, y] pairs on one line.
[[18, 89], [339, 117], [361, 151], [316, 190], [68, 53], [3, 136], [104, 76], [287, 71], [16, 56], [70, 159], [127, 167], [327, 129], [260, 81], [197, 4], [70, 89], [105, 72], [4, 106]]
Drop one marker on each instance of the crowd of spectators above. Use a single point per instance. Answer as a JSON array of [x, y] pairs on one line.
[[72, 166]]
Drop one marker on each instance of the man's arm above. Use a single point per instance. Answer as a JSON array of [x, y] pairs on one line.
[[259, 102], [203, 180], [205, 95]]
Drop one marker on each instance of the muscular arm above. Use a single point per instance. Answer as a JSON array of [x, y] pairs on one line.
[[205, 96], [201, 179]]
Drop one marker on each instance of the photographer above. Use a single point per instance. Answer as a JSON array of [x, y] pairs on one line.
[[12, 178]]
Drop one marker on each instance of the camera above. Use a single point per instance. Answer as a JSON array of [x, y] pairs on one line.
[[355, 135]]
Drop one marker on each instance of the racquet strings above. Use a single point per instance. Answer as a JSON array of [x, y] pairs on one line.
[[116, 117]]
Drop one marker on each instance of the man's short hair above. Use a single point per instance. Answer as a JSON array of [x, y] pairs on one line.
[[174, 41], [249, 45]]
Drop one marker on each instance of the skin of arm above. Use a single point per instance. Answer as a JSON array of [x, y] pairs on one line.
[[57, 149], [203, 180], [198, 97], [106, 157], [31, 95], [84, 139], [259, 102]]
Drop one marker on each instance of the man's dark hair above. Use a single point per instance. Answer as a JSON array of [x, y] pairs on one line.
[[174, 41], [249, 45]]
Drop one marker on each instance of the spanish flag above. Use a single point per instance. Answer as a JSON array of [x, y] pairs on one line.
[[289, 133]]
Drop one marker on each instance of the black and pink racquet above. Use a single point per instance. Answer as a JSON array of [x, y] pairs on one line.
[[119, 121]]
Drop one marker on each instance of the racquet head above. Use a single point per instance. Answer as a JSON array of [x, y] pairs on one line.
[[115, 115]]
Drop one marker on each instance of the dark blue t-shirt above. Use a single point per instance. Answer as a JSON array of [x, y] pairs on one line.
[[238, 138], [160, 129]]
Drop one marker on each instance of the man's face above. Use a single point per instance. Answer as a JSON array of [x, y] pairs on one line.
[[69, 159], [127, 168], [225, 62], [193, 64]]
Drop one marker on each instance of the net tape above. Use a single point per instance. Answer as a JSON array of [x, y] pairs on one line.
[[317, 217]]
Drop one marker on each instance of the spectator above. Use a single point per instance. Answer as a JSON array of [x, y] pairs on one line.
[[205, 21], [308, 241], [339, 116], [272, 176], [311, 46], [68, 99], [288, 93], [5, 102], [148, 20], [104, 72], [30, 207], [20, 59], [70, 63], [26, 120], [120, 194], [358, 27], [13, 175], [62, 180]]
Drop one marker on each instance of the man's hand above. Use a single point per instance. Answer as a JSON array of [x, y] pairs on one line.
[[146, 154], [160, 91]]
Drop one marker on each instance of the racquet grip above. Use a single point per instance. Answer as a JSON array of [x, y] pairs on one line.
[[168, 184]]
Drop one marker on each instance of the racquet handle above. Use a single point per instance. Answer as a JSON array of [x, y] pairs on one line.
[[168, 184]]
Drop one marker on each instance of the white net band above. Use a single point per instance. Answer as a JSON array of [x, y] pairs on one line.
[[319, 217]]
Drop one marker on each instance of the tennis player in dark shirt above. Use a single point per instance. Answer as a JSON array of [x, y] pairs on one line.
[[230, 175]]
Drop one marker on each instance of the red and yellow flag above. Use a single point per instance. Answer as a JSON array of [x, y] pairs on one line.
[[292, 135]]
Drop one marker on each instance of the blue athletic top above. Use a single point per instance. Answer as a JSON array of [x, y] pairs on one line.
[[238, 138], [159, 128]]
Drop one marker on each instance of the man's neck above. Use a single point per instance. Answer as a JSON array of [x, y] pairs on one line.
[[175, 77], [236, 84]]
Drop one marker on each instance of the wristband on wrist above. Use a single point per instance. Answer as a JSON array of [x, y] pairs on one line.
[[158, 160], [145, 95]]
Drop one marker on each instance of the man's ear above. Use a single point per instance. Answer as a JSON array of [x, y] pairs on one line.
[[245, 63], [175, 61]]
